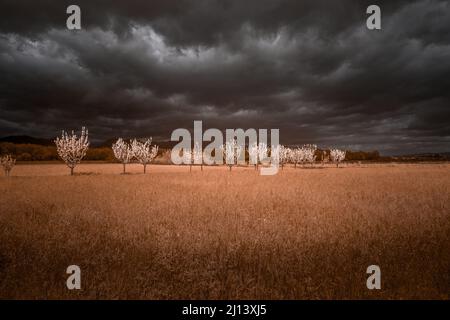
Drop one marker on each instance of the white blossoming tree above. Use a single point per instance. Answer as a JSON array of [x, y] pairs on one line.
[[197, 155], [187, 158], [7, 162], [123, 152], [337, 156], [296, 156], [309, 153], [144, 152], [231, 151], [285, 155], [253, 154], [71, 148], [193, 157], [262, 152]]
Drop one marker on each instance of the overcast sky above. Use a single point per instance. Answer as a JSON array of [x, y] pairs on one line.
[[310, 68]]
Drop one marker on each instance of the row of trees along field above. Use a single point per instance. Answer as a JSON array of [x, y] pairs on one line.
[[72, 149], [35, 152]]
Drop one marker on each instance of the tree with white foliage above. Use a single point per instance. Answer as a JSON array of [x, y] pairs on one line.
[[123, 152], [262, 152], [7, 162], [309, 153], [337, 156], [197, 155], [232, 151], [194, 156], [71, 148], [289, 156], [143, 151], [253, 154], [296, 156], [286, 155], [283, 156], [188, 158]]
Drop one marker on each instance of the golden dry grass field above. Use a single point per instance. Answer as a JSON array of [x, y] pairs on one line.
[[172, 234]]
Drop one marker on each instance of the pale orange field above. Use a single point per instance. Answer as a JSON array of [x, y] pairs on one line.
[[172, 234]]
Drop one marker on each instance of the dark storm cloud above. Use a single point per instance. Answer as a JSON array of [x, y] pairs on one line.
[[310, 68]]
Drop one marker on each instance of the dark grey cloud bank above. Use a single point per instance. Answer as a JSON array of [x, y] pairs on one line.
[[310, 68]]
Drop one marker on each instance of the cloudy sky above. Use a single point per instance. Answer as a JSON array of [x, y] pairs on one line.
[[310, 68]]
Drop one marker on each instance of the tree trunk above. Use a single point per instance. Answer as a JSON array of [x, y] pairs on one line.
[[229, 167], [71, 171], [190, 168], [145, 168], [123, 167], [201, 166]]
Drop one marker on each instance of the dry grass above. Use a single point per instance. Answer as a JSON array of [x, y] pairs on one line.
[[172, 234]]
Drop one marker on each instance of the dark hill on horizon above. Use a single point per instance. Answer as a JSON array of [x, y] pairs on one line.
[[27, 140]]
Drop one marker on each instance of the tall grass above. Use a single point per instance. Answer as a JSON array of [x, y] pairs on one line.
[[171, 234]]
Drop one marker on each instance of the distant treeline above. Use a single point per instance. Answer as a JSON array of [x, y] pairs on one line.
[[35, 152], [363, 156]]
